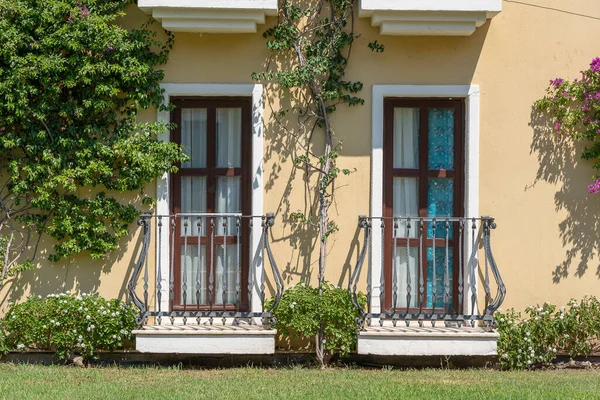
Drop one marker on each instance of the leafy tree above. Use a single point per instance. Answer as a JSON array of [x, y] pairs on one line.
[[311, 45], [71, 83]]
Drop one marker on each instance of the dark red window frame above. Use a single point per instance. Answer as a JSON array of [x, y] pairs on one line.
[[211, 172], [423, 174]]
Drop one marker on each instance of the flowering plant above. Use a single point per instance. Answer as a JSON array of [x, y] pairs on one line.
[[67, 324], [72, 82], [301, 311], [574, 109], [546, 331]]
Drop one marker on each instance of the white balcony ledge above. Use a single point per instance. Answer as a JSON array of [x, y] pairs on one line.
[[429, 17], [205, 339], [210, 16], [427, 341]]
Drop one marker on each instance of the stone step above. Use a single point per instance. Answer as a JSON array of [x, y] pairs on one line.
[[427, 341], [206, 339]]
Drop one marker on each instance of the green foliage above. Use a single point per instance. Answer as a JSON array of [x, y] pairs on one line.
[[301, 312], [317, 38], [68, 324], [71, 83], [546, 331]]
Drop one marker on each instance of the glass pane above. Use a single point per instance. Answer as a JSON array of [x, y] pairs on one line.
[[440, 203], [228, 280], [407, 261], [440, 270], [406, 204], [406, 138], [229, 137], [441, 138], [228, 200], [193, 136], [193, 274], [193, 200]]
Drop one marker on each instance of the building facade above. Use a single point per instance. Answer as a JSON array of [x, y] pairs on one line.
[[446, 135]]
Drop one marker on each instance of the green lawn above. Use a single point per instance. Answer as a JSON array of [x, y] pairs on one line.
[[37, 382]]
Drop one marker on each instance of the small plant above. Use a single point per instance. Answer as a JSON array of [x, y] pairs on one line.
[[301, 312], [68, 324], [546, 331]]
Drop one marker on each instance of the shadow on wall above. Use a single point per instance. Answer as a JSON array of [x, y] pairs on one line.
[[560, 164], [406, 60], [79, 273]]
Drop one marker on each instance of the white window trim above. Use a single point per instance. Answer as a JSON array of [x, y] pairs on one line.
[[471, 95], [163, 183]]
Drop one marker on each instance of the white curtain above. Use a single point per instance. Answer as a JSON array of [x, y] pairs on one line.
[[193, 136], [193, 200], [229, 268], [229, 137], [406, 201], [407, 263], [193, 269], [228, 200], [406, 204], [406, 138]]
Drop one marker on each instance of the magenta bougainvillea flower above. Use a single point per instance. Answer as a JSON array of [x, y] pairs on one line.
[[574, 111]]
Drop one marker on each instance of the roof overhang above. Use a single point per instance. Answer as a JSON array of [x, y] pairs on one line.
[[429, 17], [210, 16]]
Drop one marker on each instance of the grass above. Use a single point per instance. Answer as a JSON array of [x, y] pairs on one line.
[[56, 382]]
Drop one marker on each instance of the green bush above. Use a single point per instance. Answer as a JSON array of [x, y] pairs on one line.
[[301, 311], [547, 330], [68, 324], [72, 81]]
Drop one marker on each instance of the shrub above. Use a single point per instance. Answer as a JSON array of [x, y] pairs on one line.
[[72, 81], [301, 311], [68, 324], [546, 331]]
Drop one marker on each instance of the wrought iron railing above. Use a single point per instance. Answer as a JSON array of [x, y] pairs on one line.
[[427, 269], [195, 279]]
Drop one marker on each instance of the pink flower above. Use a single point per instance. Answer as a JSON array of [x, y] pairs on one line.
[[557, 82], [594, 187], [595, 65]]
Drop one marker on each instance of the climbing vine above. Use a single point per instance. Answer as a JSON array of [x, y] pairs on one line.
[[71, 84], [311, 44], [574, 109]]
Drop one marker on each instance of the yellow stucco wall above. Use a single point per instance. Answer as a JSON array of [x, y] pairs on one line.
[[547, 235]]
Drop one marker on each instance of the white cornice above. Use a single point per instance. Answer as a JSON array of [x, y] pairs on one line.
[[429, 17], [210, 16]]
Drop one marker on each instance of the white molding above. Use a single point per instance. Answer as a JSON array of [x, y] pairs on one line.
[[471, 95], [226, 342], [427, 343], [163, 185], [214, 4], [429, 17], [210, 16]]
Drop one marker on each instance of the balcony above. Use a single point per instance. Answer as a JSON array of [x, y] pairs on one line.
[[210, 16], [429, 17], [204, 292], [429, 287]]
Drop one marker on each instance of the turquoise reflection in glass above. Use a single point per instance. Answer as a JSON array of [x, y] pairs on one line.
[[440, 270], [441, 138], [440, 203]]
